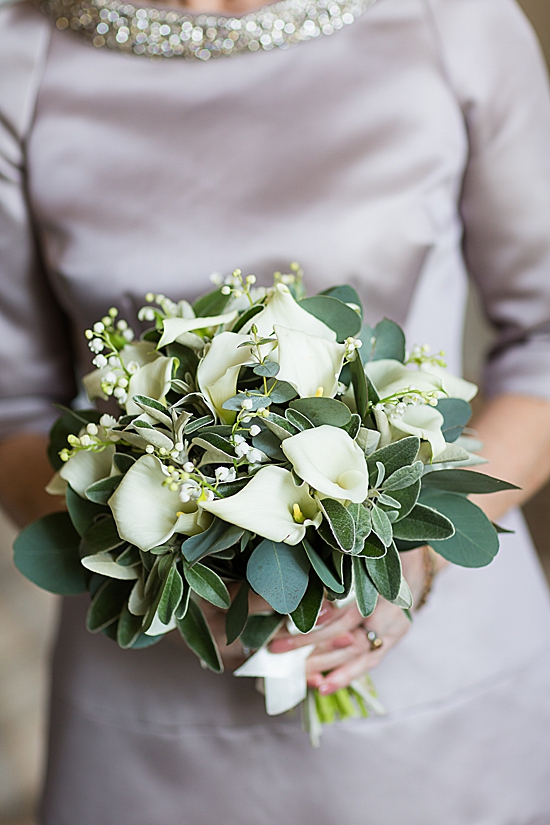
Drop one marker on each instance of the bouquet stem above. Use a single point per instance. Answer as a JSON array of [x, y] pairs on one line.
[[358, 700]]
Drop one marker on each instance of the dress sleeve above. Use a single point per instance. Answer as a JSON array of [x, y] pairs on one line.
[[494, 63], [35, 365]]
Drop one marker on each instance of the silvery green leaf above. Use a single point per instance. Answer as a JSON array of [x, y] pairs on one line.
[[365, 591], [424, 524], [104, 564], [341, 523], [381, 473], [322, 570], [153, 408], [237, 615], [207, 584], [181, 422], [461, 481], [393, 515], [279, 573], [280, 426], [153, 436], [298, 420], [171, 596], [404, 476], [306, 614], [194, 629], [381, 526], [384, 498], [255, 400], [197, 423], [404, 598], [268, 369], [368, 440], [106, 605], [128, 628], [386, 573], [475, 542], [395, 455]]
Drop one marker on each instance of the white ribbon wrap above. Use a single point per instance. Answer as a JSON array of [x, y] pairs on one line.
[[284, 676]]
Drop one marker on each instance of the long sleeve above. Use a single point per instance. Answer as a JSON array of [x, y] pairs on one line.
[[494, 64], [35, 366]]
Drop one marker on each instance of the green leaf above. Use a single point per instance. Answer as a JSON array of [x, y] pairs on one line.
[[281, 393], [320, 567], [101, 536], [210, 304], [219, 536], [456, 414], [101, 491], [268, 369], [345, 322], [70, 423], [46, 552], [360, 387], [386, 340], [237, 614], [307, 612], [257, 401], [144, 641], [153, 408], [298, 420], [424, 524], [404, 477], [345, 293], [353, 427], [381, 525], [407, 498], [394, 456], [183, 606], [280, 426], [341, 523], [171, 596], [207, 584], [107, 604], [259, 629], [128, 628], [279, 573], [365, 591], [373, 548], [386, 573], [196, 424], [196, 633], [129, 557], [322, 411], [123, 462], [81, 511], [246, 317], [465, 481], [475, 542], [363, 525], [268, 443]]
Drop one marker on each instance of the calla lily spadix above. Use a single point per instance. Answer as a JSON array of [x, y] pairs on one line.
[[310, 363], [147, 513], [176, 327], [271, 505], [330, 461], [281, 308], [218, 371]]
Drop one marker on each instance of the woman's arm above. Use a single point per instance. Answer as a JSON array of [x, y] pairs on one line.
[[25, 473]]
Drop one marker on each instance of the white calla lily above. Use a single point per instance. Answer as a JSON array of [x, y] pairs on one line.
[[174, 328], [310, 363], [391, 377], [330, 461], [218, 371], [421, 420], [454, 386], [140, 353], [281, 308], [271, 505], [147, 513], [152, 380], [86, 467]]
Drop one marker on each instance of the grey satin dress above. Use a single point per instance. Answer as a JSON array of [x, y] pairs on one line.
[[397, 154]]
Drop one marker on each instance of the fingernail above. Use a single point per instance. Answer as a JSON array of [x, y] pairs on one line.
[[324, 614], [281, 646], [326, 689], [315, 681], [342, 641]]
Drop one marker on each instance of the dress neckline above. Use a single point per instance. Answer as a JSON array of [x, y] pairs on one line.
[[172, 32]]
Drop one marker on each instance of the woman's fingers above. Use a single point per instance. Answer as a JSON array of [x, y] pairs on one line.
[[338, 623]]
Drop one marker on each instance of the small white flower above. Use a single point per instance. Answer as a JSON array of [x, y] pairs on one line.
[[122, 382], [96, 345], [91, 429], [150, 449], [113, 361], [85, 440], [226, 290], [179, 446], [189, 467], [107, 421], [110, 378], [238, 439], [128, 335], [255, 430], [216, 278], [247, 404], [242, 449], [99, 361], [254, 456], [207, 495], [99, 327], [122, 325], [222, 473]]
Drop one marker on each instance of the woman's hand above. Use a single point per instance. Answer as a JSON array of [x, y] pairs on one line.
[[342, 651]]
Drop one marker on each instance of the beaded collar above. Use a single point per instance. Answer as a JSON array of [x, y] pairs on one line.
[[161, 32]]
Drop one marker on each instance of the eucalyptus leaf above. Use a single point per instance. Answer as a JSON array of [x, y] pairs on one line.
[[345, 322], [280, 392], [365, 591], [321, 411], [269, 444], [306, 614], [101, 491], [196, 633], [219, 536], [107, 604], [46, 552], [386, 340], [207, 584], [256, 401], [279, 573], [464, 481], [123, 462], [100, 537], [353, 426], [475, 542], [237, 615], [211, 304], [268, 369], [259, 629], [456, 414], [323, 571], [82, 511]]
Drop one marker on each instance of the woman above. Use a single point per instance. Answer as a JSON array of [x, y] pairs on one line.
[[407, 147]]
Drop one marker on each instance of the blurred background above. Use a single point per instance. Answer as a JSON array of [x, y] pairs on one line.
[[28, 615]]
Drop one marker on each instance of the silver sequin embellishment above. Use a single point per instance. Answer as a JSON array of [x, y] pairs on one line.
[[158, 32]]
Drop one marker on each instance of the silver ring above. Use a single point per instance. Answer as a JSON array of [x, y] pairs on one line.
[[375, 640]]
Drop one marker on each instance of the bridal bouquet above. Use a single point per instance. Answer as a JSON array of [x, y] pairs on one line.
[[267, 441]]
